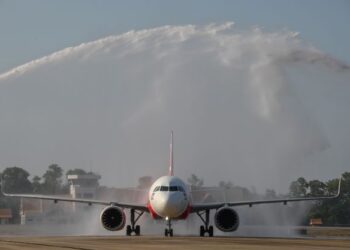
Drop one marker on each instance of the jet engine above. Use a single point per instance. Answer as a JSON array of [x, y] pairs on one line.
[[113, 218], [226, 219]]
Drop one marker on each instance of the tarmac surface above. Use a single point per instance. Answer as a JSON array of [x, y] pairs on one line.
[[154, 243]]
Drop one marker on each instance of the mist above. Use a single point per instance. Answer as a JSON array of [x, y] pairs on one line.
[[253, 107]]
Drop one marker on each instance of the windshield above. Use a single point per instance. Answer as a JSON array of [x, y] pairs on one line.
[[169, 188]]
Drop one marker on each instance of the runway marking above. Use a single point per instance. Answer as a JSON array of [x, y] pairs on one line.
[[43, 244], [176, 243]]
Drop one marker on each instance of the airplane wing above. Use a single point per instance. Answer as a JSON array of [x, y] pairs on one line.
[[56, 199], [208, 206]]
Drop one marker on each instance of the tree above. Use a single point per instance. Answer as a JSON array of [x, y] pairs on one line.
[[336, 211], [53, 179], [332, 211], [194, 181], [37, 186], [76, 171], [16, 180], [299, 187], [346, 185], [317, 188]]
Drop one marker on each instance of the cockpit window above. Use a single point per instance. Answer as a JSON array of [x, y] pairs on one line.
[[167, 188]]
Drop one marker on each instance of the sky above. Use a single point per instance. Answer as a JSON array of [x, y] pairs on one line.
[[34, 28], [278, 56]]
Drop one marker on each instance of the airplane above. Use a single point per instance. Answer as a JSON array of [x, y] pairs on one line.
[[169, 199]]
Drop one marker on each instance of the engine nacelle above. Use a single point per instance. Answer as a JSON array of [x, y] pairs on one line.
[[226, 219], [113, 218]]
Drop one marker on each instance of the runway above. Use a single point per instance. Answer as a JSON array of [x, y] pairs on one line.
[[154, 243]]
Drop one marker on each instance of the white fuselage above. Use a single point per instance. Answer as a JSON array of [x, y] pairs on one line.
[[169, 198]]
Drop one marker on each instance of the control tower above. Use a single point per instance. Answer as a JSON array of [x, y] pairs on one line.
[[83, 186]]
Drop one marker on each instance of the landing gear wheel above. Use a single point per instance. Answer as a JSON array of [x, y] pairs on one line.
[[137, 230], [168, 231], [205, 228], [201, 231], [133, 228], [128, 230], [211, 231]]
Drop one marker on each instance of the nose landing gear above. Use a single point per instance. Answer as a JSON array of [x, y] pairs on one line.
[[205, 228], [168, 231], [134, 228]]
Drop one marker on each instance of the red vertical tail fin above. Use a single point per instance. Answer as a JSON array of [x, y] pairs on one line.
[[171, 157]]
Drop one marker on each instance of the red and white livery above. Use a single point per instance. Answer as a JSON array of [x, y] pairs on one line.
[[170, 199]]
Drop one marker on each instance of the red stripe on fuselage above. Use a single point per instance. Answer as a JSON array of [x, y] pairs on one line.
[[152, 212]]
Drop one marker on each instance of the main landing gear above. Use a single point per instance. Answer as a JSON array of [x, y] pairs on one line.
[[134, 228], [168, 231], [205, 228]]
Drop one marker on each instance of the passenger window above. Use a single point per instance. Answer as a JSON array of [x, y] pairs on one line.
[[173, 188], [164, 188]]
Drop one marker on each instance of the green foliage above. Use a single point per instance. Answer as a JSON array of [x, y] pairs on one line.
[[53, 179], [332, 212], [15, 180], [317, 188], [299, 187]]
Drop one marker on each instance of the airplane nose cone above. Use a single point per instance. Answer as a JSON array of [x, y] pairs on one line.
[[169, 204]]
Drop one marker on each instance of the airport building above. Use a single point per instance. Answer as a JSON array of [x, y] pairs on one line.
[[5, 215]]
